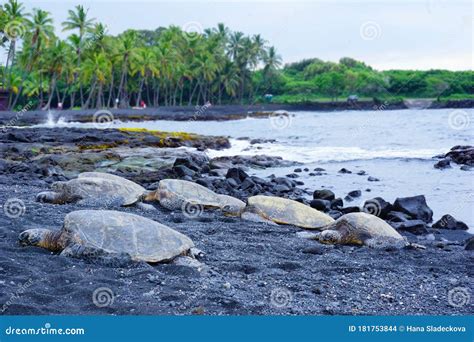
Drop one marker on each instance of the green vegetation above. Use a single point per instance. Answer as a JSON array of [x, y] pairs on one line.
[[171, 67], [314, 80]]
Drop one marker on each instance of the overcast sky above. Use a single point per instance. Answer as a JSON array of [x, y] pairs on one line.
[[401, 34]]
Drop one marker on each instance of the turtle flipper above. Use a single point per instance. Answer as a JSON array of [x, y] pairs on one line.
[[253, 217], [383, 242], [97, 255]]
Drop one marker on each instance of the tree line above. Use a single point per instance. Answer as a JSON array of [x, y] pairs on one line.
[[92, 69], [172, 67]]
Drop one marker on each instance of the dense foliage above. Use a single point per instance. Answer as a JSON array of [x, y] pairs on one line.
[[314, 79], [169, 66]]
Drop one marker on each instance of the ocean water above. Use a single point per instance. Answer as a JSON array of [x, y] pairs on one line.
[[395, 146]]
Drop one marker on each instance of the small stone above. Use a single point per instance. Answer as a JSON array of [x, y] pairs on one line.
[[320, 204], [443, 164], [324, 194], [344, 170], [355, 193]]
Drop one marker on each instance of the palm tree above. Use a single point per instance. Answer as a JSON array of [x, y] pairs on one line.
[[55, 58], [97, 69], [229, 80], [40, 32], [41, 27], [35, 86], [126, 50], [12, 21], [234, 47], [145, 64], [78, 20], [272, 62]]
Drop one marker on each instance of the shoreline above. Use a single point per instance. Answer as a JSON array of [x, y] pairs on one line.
[[206, 113]]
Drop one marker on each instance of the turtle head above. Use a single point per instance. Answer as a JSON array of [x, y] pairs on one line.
[[151, 196], [34, 237], [330, 236], [232, 210], [43, 238]]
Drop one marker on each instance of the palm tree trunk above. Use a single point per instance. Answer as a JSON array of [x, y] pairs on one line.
[[122, 80], [99, 97], [175, 95], [52, 88], [192, 94], [149, 103], [111, 90], [10, 60], [91, 93], [181, 95], [73, 99], [139, 95]]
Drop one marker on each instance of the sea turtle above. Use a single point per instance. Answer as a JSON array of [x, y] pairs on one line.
[[96, 186], [284, 211], [175, 193], [97, 233], [362, 229]]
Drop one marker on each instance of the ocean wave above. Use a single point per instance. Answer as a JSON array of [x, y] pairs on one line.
[[311, 154]]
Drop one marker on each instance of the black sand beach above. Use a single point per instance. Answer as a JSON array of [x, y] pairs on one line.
[[247, 268]]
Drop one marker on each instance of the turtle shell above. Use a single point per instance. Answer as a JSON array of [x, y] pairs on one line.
[[286, 211], [174, 192], [118, 232], [363, 226], [94, 185]]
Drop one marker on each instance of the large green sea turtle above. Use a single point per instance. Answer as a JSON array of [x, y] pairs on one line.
[[99, 233], [176, 194], [362, 229], [94, 186], [284, 211]]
